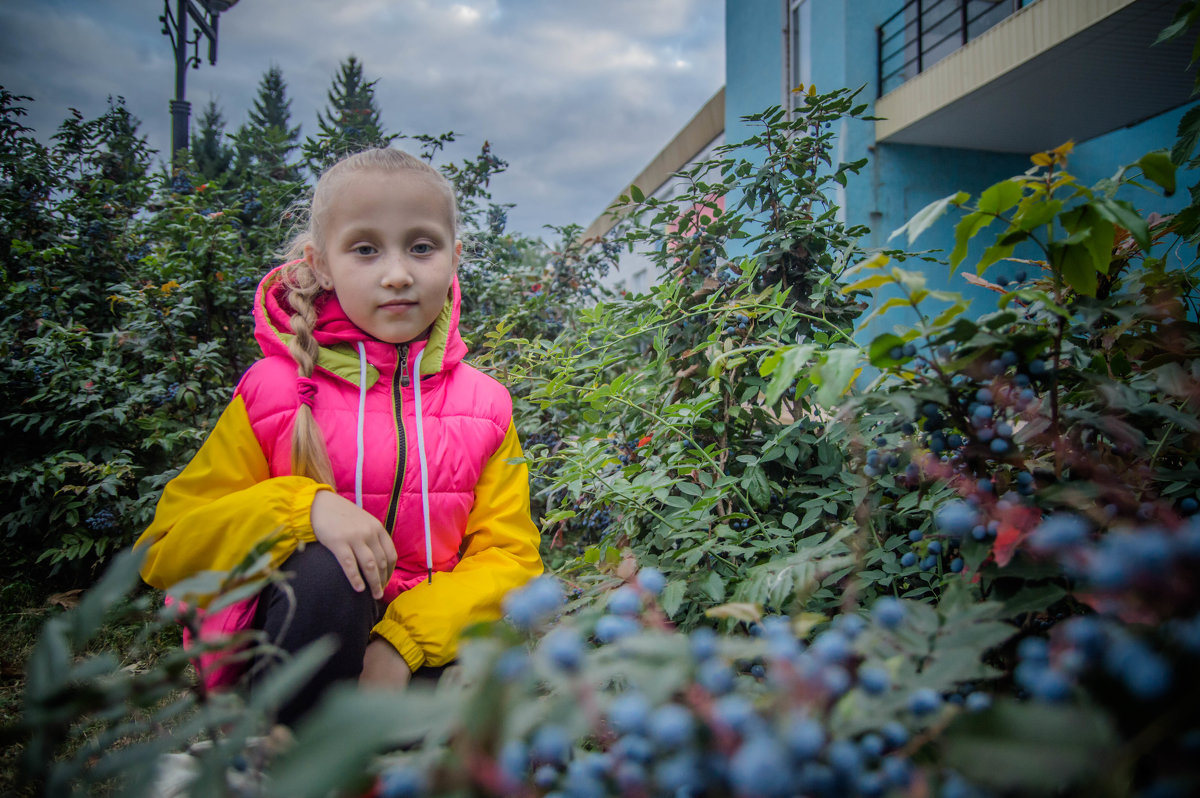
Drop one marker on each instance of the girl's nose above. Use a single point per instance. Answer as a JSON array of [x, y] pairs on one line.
[[397, 273]]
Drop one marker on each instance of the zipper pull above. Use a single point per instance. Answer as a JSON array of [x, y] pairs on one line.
[[403, 366]]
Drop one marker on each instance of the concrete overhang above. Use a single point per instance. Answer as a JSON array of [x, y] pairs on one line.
[[1053, 71]]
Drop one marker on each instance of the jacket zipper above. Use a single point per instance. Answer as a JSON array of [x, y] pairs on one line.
[[399, 380]]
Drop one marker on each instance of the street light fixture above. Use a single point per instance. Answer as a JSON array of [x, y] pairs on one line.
[[204, 13]]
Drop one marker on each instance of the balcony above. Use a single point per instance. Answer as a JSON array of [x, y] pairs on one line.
[[1023, 76]]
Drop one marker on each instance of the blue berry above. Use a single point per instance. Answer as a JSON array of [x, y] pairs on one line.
[[872, 746], [915, 535], [703, 642], [551, 745], [924, 701], [804, 737], [624, 601], [844, 757], [908, 559], [611, 628], [755, 768], [737, 713], [978, 701], [511, 665], [564, 648], [894, 734], [888, 612], [832, 646], [671, 726], [715, 676], [651, 580], [629, 713], [873, 679], [401, 782], [955, 518]]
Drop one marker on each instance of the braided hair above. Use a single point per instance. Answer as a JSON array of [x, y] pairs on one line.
[[309, 455]]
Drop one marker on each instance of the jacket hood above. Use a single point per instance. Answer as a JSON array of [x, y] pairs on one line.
[[338, 337]]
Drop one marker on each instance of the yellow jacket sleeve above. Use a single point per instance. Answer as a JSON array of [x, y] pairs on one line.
[[224, 503], [500, 553]]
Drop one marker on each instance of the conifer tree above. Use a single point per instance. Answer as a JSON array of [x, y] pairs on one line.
[[268, 140], [211, 154], [352, 120]]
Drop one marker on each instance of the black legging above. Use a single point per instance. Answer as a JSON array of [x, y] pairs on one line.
[[324, 605]]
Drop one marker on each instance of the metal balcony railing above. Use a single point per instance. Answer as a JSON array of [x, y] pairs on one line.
[[924, 32]]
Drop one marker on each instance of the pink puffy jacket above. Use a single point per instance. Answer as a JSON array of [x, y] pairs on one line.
[[415, 436]]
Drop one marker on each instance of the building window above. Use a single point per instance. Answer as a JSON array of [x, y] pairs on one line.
[[799, 50]]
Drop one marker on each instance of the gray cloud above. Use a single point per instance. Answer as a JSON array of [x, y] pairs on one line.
[[577, 95]]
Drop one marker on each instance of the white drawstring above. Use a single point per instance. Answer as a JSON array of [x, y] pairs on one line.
[[362, 412], [424, 465]]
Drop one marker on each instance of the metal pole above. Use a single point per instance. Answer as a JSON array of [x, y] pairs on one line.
[[180, 107], [962, 15], [879, 61], [920, 38]]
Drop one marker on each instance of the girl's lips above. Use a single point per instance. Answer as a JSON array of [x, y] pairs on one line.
[[398, 305]]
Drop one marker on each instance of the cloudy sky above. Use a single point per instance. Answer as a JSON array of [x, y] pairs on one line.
[[577, 95]]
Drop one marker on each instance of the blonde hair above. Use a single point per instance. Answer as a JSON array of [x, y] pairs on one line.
[[310, 458]]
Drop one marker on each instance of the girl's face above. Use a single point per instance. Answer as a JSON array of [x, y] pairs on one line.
[[389, 252]]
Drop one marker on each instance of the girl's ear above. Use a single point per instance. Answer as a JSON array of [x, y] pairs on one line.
[[457, 254], [318, 265]]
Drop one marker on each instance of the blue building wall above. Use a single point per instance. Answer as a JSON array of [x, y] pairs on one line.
[[753, 59], [899, 180]]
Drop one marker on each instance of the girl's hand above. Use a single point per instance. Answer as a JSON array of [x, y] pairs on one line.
[[384, 667], [361, 545]]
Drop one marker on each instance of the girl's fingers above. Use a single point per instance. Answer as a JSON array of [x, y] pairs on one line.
[[349, 563], [368, 564]]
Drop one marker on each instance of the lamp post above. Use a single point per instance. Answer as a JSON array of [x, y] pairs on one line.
[[204, 14]]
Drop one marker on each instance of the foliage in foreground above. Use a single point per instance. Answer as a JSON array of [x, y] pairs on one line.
[[970, 578]]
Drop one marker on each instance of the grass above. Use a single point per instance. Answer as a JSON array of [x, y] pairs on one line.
[[125, 635]]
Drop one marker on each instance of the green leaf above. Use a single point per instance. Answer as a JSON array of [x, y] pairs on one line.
[[879, 350], [1122, 213], [783, 366], [636, 194], [999, 197], [672, 597], [833, 373], [754, 480], [1033, 599], [996, 252], [337, 743], [1027, 747], [1157, 166], [964, 231], [1078, 269], [928, 215], [1186, 136]]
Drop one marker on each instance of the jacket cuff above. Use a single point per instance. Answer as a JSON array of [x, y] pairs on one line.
[[402, 641], [300, 520]]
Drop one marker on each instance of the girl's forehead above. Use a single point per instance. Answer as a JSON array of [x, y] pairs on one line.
[[405, 189]]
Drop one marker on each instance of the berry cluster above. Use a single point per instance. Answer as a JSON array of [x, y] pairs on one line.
[[712, 736]]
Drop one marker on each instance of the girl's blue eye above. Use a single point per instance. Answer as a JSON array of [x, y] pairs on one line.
[[423, 249], [364, 249]]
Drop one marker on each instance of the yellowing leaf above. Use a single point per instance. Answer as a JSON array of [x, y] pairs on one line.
[[747, 613], [1064, 149], [1041, 159], [867, 283]]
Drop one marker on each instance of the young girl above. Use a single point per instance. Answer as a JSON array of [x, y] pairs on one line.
[[362, 443]]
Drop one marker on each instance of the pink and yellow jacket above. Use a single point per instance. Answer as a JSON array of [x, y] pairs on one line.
[[415, 436]]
